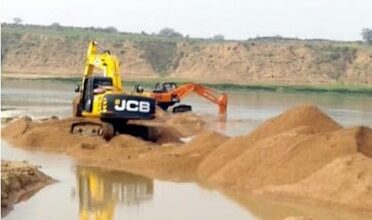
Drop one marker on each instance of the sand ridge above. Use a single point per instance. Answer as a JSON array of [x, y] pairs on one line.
[[285, 155]]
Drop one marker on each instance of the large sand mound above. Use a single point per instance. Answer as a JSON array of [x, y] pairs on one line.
[[306, 115], [302, 119], [289, 149], [287, 157]]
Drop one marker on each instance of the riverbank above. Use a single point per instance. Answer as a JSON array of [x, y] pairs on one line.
[[359, 89], [19, 180], [35, 49]]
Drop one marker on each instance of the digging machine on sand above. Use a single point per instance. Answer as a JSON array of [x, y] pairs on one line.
[[103, 108], [168, 94]]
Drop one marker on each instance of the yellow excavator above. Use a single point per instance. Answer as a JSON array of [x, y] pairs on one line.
[[102, 107]]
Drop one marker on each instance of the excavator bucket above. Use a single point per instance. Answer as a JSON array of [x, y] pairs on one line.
[[182, 108]]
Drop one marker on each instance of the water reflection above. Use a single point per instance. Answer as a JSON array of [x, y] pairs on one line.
[[101, 190]]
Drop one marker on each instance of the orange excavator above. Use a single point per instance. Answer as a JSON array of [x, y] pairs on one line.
[[168, 94]]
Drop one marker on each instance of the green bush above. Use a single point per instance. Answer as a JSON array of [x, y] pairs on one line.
[[159, 54]]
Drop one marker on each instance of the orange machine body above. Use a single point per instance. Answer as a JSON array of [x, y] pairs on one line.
[[171, 94]]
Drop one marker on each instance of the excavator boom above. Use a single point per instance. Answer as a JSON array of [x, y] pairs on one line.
[[167, 94], [106, 62], [208, 93]]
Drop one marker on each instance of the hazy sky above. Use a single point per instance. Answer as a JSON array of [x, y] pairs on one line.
[[236, 19]]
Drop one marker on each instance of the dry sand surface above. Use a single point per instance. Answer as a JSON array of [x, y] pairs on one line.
[[19, 180], [297, 218], [346, 180], [300, 154], [302, 146]]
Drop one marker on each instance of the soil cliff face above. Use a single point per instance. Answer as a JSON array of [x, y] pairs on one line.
[[31, 50]]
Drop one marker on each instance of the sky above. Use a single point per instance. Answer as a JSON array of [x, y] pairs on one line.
[[235, 19]]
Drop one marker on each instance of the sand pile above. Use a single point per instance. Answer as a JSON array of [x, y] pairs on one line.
[[175, 162], [346, 181], [54, 134], [302, 119], [186, 123], [286, 158], [14, 130], [51, 134], [167, 158], [301, 153], [19, 179], [300, 149], [307, 116], [172, 162]]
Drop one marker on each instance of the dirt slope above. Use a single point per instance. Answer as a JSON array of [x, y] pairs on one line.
[[346, 180], [43, 50], [308, 116], [286, 158]]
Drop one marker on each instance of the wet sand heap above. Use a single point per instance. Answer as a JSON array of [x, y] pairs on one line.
[[300, 154], [19, 180]]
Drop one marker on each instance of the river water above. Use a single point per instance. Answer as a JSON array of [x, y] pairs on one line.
[[91, 193]]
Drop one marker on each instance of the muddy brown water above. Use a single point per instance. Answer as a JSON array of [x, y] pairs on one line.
[[89, 193]]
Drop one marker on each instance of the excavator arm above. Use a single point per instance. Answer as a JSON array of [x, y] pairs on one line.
[[218, 98], [104, 61]]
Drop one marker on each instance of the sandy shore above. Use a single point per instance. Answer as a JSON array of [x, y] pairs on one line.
[[19, 180]]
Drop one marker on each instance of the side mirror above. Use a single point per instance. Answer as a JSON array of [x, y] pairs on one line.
[[77, 88]]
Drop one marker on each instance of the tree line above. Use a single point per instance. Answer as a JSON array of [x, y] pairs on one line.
[[171, 33]]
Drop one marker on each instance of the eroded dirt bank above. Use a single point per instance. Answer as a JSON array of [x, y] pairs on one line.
[[19, 180], [301, 154], [28, 50]]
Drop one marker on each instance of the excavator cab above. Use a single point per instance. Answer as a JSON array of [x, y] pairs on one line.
[[164, 87], [164, 94], [92, 86]]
